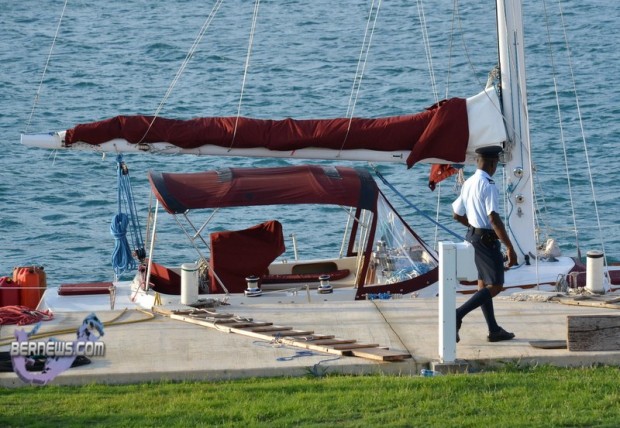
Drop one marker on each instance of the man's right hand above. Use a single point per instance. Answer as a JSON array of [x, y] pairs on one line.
[[512, 257]]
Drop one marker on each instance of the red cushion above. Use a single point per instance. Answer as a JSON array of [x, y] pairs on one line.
[[85, 288]]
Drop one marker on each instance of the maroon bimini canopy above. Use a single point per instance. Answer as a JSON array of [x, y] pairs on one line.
[[234, 187]]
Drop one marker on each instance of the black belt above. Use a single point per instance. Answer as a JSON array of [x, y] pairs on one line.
[[478, 231]]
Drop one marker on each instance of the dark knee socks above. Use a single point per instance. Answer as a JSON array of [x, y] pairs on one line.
[[483, 299], [489, 315]]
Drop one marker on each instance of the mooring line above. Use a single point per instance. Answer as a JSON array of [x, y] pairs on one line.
[[402, 342]]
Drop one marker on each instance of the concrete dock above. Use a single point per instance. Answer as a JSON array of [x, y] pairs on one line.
[[142, 347]]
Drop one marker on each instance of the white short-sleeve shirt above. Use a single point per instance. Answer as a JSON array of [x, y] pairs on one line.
[[479, 198]]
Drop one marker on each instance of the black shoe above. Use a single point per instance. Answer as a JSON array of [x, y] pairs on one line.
[[500, 335], [458, 327]]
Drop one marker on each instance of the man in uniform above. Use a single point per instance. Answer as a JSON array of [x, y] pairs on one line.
[[477, 208]]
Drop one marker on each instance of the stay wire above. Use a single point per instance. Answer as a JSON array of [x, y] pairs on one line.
[[560, 124], [427, 49], [419, 211], [583, 134], [47, 61], [373, 15], [400, 339], [131, 208], [184, 64], [245, 70]]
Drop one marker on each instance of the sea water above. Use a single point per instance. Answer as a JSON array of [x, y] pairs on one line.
[[121, 57]]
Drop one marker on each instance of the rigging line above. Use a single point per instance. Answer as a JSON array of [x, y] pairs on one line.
[[427, 50], [245, 70], [400, 339], [419, 211], [540, 207], [47, 61], [560, 123], [184, 64], [361, 67], [451, 45], [436, 240], [583, 135], [361, 60], [463, 42]]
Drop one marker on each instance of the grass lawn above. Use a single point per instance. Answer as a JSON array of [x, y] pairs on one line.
[[512, 397]]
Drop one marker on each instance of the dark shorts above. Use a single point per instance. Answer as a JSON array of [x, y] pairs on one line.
[[489, 258]]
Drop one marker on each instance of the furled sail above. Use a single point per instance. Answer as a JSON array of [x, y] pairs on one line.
[[444, 133]]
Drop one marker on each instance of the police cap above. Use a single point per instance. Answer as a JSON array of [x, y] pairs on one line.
[[491, 152]]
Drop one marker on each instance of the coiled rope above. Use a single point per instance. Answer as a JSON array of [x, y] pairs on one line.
[[122, 257], [22, 315]]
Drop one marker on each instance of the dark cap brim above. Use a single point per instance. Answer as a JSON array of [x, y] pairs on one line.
[[492, 152]]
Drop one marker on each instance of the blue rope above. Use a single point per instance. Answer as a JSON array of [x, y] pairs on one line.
[[461, 238], [122, 257]]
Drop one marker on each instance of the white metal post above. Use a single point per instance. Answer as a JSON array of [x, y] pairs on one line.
[[447, 302]]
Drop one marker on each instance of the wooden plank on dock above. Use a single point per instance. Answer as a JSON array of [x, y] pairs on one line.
[[269, 329], [240, 324], [293, 333], [315, 337], [347, 346], [205, 314], [332, 341], [313, 346], [221, 321], [198, 313], [594, 333], [380, 354]]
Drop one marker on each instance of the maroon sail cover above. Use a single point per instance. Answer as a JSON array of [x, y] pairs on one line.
[[438, 132]]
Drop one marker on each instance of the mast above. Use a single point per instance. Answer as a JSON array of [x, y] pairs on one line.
[[517, 155]]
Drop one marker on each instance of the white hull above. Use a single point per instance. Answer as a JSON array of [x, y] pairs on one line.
[[541, 277]]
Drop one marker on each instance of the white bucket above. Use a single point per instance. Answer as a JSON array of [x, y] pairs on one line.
[[189, 283], [594, 272]]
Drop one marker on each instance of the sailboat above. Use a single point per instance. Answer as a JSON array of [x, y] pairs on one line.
[[447, 133]]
